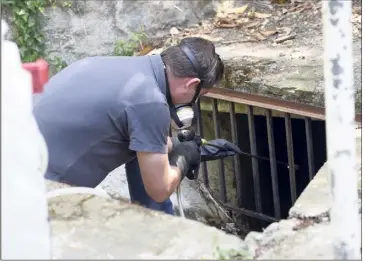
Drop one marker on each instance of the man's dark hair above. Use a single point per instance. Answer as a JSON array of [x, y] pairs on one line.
[[204, 52]]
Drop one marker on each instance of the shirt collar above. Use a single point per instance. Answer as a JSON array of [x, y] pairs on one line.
[[158, 69]]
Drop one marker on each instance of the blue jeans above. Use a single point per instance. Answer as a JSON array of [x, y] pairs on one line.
[[138, 193]]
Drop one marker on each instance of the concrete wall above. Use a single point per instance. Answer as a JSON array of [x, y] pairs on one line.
[[90, 28]]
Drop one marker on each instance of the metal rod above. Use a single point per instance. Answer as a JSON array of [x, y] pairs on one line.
[[242, 211], [274, 176], [222, 180], [340, 128], [250, 213], [309, 140], [236, 163], [254, 156], [255, 164], [290, 150], [201, 133], [179, 201], [270, 103]]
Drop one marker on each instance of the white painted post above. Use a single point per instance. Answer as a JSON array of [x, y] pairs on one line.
[[340, 127], [25, 232]]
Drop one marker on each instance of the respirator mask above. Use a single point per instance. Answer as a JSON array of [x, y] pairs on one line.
[[185, 115]]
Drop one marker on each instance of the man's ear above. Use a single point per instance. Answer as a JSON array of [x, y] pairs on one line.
[[192, 83]]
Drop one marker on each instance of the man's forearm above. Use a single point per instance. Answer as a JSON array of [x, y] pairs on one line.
[[175, 177]]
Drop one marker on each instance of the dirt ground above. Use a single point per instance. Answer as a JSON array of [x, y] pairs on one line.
[[295, 24]]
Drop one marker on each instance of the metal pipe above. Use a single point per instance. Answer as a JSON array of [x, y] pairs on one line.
[[296, 167], [340, 128], [179, 201]]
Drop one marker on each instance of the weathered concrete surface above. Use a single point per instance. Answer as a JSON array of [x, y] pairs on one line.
[[291, 239], [315, 201], [90, 28], [194, 205], [306, 234], [92, 227], [290, 73], [293, 73], [291, 70]]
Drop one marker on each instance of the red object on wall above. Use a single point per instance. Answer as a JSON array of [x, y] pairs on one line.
[[39, 71]]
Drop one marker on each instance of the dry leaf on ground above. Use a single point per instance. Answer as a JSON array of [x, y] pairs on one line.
[[285, 30], [261, 15], [239, 10], [252, 25], [146, 49], [269, 32], [210, 38], [225, 24], [229, 21], [285, 38], [259, 37]]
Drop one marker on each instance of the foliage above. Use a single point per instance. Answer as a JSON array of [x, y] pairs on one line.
[[230, 254], [56, 64], [136, 43], [27, 30]]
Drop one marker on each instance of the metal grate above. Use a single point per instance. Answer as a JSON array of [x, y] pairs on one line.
[[269, 105]]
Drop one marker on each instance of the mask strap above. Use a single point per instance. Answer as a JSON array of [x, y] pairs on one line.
[[196, 114], [173, 111], [197, 68]]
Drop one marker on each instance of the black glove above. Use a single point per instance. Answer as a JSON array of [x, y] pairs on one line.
[[186, 157], [182, 136]]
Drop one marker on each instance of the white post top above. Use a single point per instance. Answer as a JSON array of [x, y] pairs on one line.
[[24, 229]]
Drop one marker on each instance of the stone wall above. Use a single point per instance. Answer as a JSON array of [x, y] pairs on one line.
[[90, 28], [86, 226]]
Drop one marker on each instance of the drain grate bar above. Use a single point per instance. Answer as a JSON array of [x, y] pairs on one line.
[[273, 166], [201, 133], [236, 164], [270, 103], [309, 141], [254, 160], [290, 150], [222, 180]]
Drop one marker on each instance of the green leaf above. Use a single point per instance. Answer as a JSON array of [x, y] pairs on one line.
[[41, 9], [39, 39], [31, 23]]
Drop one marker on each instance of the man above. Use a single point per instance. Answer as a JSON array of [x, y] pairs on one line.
[[102, 112]]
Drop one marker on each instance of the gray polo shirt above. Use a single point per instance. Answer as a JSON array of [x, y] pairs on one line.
[[96, 113]]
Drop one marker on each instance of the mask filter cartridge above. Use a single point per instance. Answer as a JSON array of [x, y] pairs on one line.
[[185, 114]]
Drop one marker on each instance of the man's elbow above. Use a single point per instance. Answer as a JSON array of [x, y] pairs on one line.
[[158, 194]]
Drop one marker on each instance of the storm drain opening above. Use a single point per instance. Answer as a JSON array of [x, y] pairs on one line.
[[284, 145], [273, 193]]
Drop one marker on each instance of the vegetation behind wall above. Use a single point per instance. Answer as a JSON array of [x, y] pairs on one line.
[[25, 18]]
